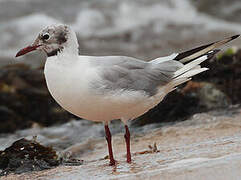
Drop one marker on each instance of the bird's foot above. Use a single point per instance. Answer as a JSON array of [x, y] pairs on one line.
[[128, 160], [112, 162]]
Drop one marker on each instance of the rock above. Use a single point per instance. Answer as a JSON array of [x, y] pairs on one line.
[[225, 73], [9, 119], [208, 94], [211, 97]]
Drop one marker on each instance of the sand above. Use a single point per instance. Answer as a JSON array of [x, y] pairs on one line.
[[207, 146]]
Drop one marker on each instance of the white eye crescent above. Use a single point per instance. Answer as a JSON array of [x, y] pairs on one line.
[[46, 36]]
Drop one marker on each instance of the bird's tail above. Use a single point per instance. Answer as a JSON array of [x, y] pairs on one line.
[[194, 58], [202, 50]]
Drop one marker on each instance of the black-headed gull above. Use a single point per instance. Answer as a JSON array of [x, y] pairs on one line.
[[104, 88]]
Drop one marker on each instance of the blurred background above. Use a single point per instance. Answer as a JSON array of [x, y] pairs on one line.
[[142, 28], [145, 29]]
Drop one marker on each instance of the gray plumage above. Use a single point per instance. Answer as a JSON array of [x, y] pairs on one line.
[[127, 73]]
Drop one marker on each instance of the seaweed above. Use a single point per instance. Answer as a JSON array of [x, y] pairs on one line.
[[27, 155]]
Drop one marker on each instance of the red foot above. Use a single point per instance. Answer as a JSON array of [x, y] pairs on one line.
[[112, 163]]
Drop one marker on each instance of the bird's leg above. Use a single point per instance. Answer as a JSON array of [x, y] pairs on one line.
[[127, 138], [108, 139]]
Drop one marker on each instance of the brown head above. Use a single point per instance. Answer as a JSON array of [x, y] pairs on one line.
[[51, 40]]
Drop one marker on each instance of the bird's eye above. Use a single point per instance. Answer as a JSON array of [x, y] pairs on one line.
[[46, 36]]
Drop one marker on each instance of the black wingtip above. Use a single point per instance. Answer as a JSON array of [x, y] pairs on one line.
[[212, 53], [234, 37]]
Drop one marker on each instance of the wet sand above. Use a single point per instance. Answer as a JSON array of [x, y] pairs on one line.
[[207, 146]]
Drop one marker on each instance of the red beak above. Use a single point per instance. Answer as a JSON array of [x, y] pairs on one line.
[[27, 50]]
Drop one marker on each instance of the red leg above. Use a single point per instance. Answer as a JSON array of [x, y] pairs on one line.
[[108, 139], [127, 138]]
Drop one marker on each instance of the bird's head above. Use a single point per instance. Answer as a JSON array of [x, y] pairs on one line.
[[53, 40]]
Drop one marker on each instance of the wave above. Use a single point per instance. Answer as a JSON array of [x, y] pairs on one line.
[[109, 18], [128, 16]]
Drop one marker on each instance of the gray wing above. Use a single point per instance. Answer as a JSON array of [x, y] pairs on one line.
[[126, 73]]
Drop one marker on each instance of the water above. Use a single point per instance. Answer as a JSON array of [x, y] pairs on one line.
[[140, 28], [68, 134]]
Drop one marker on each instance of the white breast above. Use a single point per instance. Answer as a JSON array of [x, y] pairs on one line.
[[66, 83]]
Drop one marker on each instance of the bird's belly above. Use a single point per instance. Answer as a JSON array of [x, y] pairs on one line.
[[84, 104], [99, 107]]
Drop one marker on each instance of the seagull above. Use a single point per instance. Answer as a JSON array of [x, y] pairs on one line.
[[105, 88]]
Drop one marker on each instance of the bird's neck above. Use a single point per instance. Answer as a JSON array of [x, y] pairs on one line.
[[70, 47]]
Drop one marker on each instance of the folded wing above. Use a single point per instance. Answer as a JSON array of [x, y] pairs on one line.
[[120, 73]]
